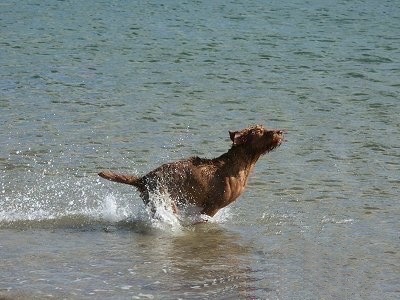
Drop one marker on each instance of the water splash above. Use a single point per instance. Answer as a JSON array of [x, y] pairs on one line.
[[45, 197], [111, 211], [161, 212], [77, 201]]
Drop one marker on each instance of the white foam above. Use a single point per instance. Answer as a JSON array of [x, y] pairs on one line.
[[163, 217], [110, 211], [326, 220]]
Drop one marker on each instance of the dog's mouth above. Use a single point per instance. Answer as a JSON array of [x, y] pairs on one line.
[[277, 139], [280, 136]]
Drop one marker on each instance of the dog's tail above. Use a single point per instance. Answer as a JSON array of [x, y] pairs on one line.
[[127, 179]]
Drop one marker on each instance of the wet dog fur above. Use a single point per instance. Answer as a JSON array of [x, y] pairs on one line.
[[209, 184]]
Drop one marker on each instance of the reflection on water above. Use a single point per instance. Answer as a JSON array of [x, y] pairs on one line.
[[204, 261], [200, 262]]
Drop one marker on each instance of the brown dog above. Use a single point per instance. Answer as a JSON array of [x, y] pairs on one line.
[[209, 184]]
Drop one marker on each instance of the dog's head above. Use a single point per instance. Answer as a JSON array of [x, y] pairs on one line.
[[257, 139]]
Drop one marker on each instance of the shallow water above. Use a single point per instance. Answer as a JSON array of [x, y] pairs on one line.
[[130, 85]]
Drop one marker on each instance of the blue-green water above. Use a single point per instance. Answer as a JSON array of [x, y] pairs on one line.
[[128, 85]]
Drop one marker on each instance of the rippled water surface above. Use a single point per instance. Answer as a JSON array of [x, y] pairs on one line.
[[129, 85]]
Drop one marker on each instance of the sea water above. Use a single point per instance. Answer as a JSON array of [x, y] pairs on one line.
[[129, 85]]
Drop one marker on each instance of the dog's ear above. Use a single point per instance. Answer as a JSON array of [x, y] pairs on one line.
[[238, 137]]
